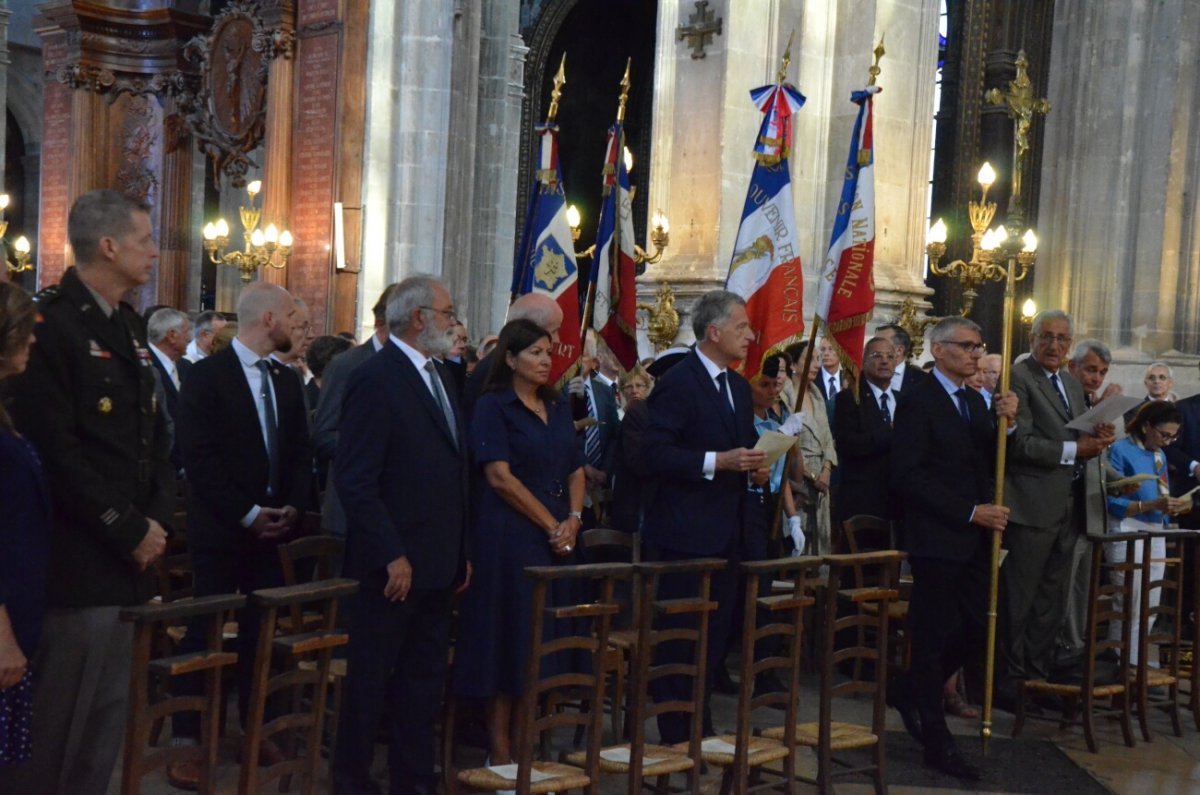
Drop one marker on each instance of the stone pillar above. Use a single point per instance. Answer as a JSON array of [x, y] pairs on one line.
[[462, 141], [277, 140], [705, 126], [1120, 169]]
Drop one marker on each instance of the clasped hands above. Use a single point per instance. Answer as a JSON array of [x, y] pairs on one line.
[[274, 522], [562, 537]]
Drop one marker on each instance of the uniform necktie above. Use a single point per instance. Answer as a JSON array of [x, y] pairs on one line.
[[963, 411], [442, 399], [883, 408], [268, 401], [723, 385], [1062, 397]]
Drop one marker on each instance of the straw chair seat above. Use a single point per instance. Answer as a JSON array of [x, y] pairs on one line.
[[670, 760], [565, 777], [843, 736], [763, 751]]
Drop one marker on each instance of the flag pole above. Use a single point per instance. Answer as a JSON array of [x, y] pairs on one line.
[[590, 305]]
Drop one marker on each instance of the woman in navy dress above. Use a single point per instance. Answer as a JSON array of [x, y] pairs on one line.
[[24, 541], [523, 439]]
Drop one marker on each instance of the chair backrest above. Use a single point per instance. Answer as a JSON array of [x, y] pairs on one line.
[[866, 533], [564, 625], [880, 569], [680, 616], [311, 557], [1162, 624], [1111, 599]]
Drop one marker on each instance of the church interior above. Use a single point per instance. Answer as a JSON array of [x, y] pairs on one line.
[[337, 146]]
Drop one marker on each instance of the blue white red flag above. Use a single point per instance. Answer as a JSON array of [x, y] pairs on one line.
[[765, 267], [846, 297], [546, 258], [614, 316]]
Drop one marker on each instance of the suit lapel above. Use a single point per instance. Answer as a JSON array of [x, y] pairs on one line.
[[417, 383], [1047, 389], [708, 387], [242, 395]]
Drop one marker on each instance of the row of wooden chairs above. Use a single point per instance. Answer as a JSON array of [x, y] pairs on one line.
[[778, 595]]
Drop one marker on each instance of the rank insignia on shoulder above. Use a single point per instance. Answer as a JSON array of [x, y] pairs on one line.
[[105, 406], [95, 350], [47, 294]]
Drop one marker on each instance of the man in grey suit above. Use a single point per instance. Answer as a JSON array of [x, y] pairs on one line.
[[1045, 493], [329, 407]]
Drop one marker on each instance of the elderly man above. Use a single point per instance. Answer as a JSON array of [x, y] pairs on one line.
[[1046, 493], [943, 456], [903, 376], [541, 309], [86, 403], [169, 331], [1159, 380], [862, 430], [989, 371], [204, 329], [401, 469]]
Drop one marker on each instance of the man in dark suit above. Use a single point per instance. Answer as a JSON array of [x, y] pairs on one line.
[[599, 402], [169, 331], [943, 453], [86, 404], [1046, 492], [401, 469], [329, 407], [1184, 455], [243, 432], [541, 309], [699, 448], [903, 376], [862, 431]]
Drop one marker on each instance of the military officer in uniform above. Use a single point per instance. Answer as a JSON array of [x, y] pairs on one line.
[[87, 404]]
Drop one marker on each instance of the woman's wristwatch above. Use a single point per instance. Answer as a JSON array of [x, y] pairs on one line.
[[578, 515]]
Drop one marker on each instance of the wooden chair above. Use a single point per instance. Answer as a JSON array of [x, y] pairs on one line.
[[658, 622], [580, 627], [866, 533], [288, 651], [147, 711], [777, 592], [1164, 636], [827, 736], [605, 545], [1108, 601]]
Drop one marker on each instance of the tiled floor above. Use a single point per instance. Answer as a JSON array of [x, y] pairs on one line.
[[1167, 766]]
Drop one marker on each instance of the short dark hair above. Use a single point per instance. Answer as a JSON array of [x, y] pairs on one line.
[[97, 214], [323, 350], [901, 335], [1152, 412], [516, 336]]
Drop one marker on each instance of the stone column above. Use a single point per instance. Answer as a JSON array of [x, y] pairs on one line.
[[277, 140], [1121, 168], [462, 143]]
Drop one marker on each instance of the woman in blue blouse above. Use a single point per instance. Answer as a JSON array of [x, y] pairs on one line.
[[523, 438], [24, 540], [1141, 453]]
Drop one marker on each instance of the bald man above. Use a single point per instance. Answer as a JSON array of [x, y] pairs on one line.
[[541, 309], [249, 463]]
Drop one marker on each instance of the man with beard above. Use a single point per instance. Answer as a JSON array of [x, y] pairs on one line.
[[401, 471], [243, 433]]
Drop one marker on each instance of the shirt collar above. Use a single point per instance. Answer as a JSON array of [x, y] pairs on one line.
[[608, 382], [163, 359], [376, 344], [899, 369], [248, 358], [418, 359], [945, 381], [101, 304], [876, 391], [709, 365]]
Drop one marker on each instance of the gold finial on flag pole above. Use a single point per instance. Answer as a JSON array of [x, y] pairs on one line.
[[624, 93], [787, 59], [559, 80], [875, 70]]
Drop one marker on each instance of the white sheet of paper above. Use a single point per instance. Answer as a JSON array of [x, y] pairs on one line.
[[776, 444], [715, 745], [1108, 410], [509, 773], [622, 757]]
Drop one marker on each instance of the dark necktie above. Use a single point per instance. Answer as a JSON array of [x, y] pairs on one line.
[[963, 411], [833, 387], [883, 408], [591, 436], [723, 385], [272, 427], [443, 400], [1062, 397]]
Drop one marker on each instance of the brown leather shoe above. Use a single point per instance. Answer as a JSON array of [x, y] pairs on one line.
[[184, 775]]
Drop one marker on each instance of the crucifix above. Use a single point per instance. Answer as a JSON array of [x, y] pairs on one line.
[[1022, 106], [700, 29]]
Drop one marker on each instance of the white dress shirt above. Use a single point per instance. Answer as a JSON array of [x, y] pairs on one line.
[[193, 353], [710, 458], [1069, 448], [833, 388], [250, 360], [167, 363], [418, 359], [891, 393], [898, 377]]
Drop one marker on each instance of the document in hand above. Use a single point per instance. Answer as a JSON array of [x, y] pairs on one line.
[[776, 444], [1108, 410], [1132, 480]]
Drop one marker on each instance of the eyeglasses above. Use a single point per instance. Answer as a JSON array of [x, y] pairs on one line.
[[890, 357], [969, 346], [446, 313], [1164, 437], [1048, 338]]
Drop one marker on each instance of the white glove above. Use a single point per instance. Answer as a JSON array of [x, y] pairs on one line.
[[796, 533], [791, 426], [576, 387]]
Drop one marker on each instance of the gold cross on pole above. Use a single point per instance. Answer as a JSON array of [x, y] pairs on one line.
[[1022, 106]]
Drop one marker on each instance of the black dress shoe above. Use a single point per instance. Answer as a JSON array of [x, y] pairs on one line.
[[950, 761], [723, 682], [900, 699]]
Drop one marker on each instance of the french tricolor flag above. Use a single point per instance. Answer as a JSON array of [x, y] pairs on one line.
[[765, 267], [614, 271], [846, 298]]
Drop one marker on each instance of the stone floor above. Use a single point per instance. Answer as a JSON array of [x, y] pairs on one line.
[[1167, 766]]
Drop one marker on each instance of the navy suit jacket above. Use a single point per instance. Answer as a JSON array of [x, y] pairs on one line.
[[609, 420], [172, 401], [688, 417], [1187, 447], [221, 441], [401, 477], [864, 448], [941, 469]]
